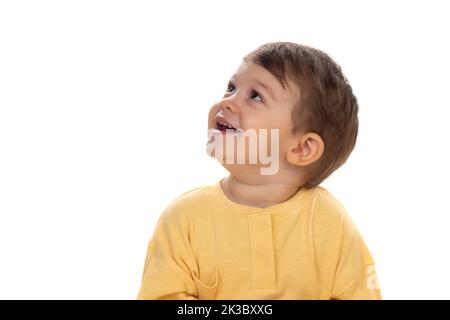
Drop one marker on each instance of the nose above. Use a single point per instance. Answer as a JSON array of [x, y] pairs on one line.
[[229, 104]]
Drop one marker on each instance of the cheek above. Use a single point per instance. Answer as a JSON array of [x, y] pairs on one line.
[[264, 119], [275, 136], [277, 140], [251, 121]]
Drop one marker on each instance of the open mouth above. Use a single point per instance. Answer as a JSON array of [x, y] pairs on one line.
[[223, 127]]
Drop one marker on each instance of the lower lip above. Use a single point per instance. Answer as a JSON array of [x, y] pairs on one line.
[[228, 131], [215, 131]]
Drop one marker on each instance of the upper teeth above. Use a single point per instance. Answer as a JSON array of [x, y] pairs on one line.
[[226, 125]]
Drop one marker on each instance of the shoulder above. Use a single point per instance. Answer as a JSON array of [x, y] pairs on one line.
[[189, 199], [333, 216], [331, 219], [327, 208], [335, 234], [184, 205]]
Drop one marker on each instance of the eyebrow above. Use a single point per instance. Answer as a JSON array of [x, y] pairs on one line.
[[268, 89]]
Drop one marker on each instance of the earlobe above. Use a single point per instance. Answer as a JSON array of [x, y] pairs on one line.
[[307, 151]]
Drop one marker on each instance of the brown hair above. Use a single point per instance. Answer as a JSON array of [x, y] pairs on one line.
[[327, 104]]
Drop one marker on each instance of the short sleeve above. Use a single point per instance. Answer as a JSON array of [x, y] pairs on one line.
[[355, 277], [169, 262]]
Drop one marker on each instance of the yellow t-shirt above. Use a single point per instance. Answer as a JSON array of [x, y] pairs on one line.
[[206, 246]]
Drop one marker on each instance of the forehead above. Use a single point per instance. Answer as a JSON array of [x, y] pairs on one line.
[[248, 71]]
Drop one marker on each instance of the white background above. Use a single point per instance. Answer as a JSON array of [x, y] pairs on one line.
[[103, 109]]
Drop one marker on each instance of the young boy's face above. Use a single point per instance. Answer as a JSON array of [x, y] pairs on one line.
[[255, 99]]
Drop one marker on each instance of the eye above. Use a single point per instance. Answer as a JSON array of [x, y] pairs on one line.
[[257, 94], [254, 93], [228, 87]]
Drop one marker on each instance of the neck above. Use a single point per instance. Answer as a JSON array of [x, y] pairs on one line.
[[261, 195]]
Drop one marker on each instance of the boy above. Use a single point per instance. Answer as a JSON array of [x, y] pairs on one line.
[[272, 234]]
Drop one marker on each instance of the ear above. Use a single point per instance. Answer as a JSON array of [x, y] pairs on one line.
[[307, 150]]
